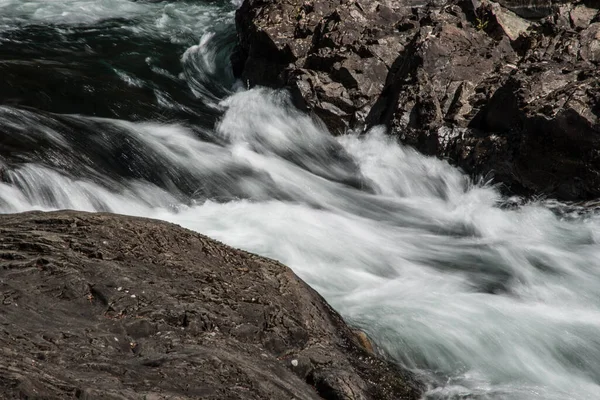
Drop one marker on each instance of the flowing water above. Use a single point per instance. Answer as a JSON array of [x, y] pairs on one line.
[[130, 107]]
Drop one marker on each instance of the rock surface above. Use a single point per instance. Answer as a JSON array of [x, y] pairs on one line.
[[472, 81], [98, 306]]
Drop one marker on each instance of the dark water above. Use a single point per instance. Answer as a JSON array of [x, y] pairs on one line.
[[131, 107]]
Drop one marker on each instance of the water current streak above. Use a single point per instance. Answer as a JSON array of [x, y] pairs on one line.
[[130, 107]]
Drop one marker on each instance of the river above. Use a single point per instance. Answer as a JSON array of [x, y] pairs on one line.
[[131, 107]]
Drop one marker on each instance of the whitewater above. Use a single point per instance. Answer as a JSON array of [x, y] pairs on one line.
[[482, 296]]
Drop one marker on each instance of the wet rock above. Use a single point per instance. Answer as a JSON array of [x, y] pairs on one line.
[[507, 89], [167, 313], [333, 54]]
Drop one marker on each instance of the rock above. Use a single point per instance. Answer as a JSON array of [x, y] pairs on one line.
[[532, 8], [590, 43], [512, 25], [167, 313], [506, 89], [581, 16], [333, 54]]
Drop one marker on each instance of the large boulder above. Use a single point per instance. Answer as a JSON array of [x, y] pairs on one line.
[[509, 88], [98, 306]]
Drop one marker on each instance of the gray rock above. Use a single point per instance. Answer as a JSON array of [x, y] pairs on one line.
[[581, 16], [167, 313], [512, 25]]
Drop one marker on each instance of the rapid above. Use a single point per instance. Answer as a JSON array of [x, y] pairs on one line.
[[131, 107]]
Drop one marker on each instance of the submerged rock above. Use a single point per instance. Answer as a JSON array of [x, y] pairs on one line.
[[99, 306], [509, 88]]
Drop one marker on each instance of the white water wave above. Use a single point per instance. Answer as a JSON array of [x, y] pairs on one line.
[[177, 20], [483, 302]]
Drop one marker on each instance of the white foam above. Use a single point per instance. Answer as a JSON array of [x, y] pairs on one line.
[[485, 302], [176, 20]]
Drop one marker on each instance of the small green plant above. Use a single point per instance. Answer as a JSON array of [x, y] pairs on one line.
[[482, 23]]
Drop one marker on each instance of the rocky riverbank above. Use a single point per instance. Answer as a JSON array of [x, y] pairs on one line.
[[98, 306], [508, 88]]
